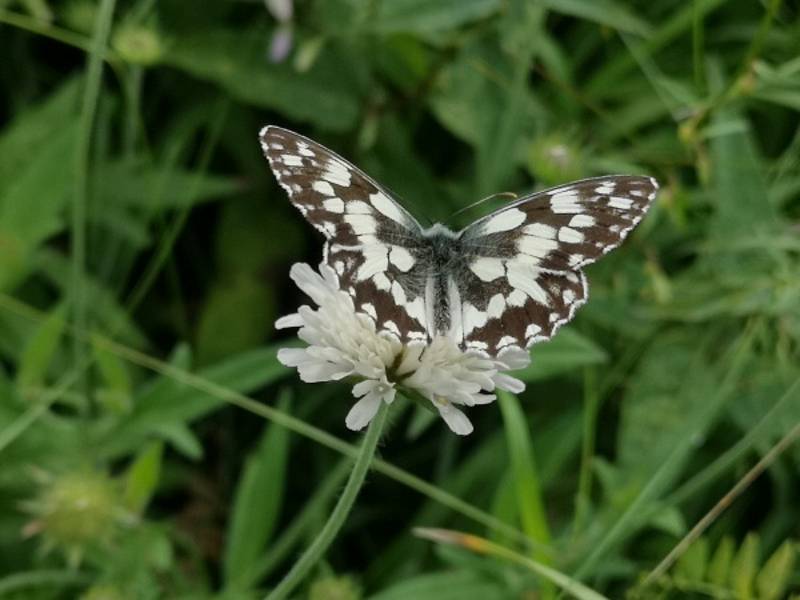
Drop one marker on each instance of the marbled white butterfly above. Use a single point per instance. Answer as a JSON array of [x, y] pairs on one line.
[[511, 278]]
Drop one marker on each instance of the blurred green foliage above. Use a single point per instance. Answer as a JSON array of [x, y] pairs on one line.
[[134, 203]]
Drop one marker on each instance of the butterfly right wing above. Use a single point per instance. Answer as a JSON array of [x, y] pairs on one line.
[[523, 276], [372, 243]]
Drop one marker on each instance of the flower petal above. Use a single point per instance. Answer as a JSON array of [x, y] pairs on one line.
[[364, 387], [456, 420], [508, 383], [362, 412], [287, 321]]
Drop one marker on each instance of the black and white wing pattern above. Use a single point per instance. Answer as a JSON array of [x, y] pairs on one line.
[[523, 276], [371, 241]]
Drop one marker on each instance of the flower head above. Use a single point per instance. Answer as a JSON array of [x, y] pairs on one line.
[[345, 343]]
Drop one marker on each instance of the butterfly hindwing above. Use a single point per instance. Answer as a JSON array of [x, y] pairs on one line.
[[371, 241]]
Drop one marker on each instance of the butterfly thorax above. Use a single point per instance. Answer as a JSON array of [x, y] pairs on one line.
[[445, 257]]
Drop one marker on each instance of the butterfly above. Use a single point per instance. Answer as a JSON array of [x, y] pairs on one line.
[[510, 279]]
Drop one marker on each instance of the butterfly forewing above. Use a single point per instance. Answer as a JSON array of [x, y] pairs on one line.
[[372, 242], [524, 279]]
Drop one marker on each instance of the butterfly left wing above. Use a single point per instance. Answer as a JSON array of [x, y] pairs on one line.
[[523, 276], [372, 243]]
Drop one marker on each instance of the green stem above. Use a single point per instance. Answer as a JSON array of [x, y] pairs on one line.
[[325, 538], [91, 94], [591, 403]]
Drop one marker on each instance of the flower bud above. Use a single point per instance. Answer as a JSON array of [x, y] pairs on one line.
[[554, 159], [137, 44]]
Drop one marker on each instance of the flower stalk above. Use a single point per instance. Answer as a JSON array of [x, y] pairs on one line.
[[333, 525]]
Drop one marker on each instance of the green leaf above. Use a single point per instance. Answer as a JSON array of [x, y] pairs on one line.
[[773, 579], [745, 566], [32, 205], [525, 476], [234, 61], [142, 477], [567, 352], [39, 350], [114, 372], [136, 183], [34, 129], [430, 16], [660, 408], [167, 401], [257, 501], [453, 585], [740, 191], [239, 314], [719, 568], [692, 563], [603, 12]]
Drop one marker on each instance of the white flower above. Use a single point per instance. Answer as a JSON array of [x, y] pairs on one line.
[[343, 343]]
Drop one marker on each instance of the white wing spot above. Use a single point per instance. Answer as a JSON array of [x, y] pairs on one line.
[[386, 206], [361, 223], [323, 187], [532, 330], [473, 318], [392, 326], [568, 295], [358, 207], [540, 230], [328, 227], [401, 258], [565, 202], [504, 221], [576, 259], [582, 221], [620, 203], [334, 205], [303, 149], [337, 173], [398, 294], [536, 246], [605, 189], [487, 269], [506, 340], [569, 235], [369, 309], [497, 306], [276, 146], [382, 282], [375, 261], [416, 309], [522, 277], [291, 160], [516, 298]]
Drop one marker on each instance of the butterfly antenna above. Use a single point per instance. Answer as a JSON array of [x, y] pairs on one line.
[[510, 195]]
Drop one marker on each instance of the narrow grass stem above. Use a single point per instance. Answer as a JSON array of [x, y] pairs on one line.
[[334, 524], [779, 448], [591, 403], [91, 95]]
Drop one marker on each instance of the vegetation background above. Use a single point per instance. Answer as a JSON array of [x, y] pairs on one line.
[[152, 447]]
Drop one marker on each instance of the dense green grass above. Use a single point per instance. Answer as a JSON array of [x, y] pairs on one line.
[[151, 446]]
